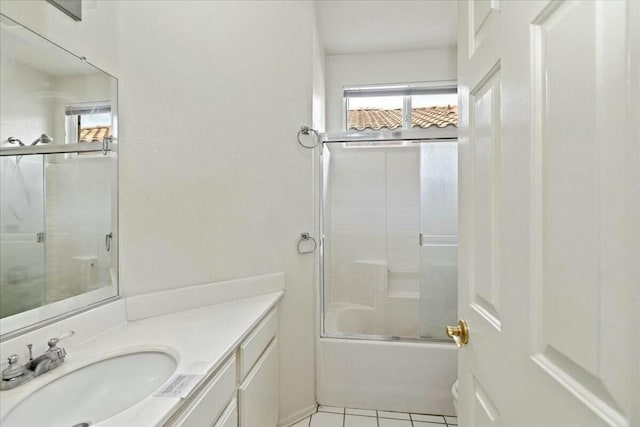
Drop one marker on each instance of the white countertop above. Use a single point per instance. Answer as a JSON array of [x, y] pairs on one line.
[[200, 339]]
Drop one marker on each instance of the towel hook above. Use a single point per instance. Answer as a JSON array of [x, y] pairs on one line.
[[305, 237], [306, 130]]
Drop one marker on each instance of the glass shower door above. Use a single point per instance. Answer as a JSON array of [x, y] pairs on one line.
[[438, 238], [390, 241], [22, 250]]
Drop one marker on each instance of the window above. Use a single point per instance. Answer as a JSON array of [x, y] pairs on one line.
[[403, 106], [90, 122]]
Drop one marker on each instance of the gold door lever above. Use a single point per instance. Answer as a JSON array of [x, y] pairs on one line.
[[460, 333]]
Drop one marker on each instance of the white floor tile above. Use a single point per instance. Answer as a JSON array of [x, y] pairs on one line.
[[427, 424], [396, 415], [326, 419], [333, 409], [302, 423], [358, 421], [386, 422], [452, 421], [367, 412], [430, 418]]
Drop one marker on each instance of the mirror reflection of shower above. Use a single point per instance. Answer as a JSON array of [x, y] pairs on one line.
[[43, 139]]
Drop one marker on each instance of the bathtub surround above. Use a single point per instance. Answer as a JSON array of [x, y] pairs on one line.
[[397, 376], [425, 369], [184, 140], [374, 221]]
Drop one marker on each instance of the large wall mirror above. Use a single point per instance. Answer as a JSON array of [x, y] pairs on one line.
[[58, 182]]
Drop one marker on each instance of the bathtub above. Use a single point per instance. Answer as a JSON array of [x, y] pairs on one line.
[[386, 375], [396, 316]]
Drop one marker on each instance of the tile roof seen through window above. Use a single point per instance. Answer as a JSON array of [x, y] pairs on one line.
[[94, 134], [376, 119]]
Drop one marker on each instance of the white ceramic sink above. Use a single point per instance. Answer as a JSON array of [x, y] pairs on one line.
[[94, 392]]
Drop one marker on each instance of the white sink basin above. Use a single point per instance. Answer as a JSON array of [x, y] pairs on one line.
[[94, 392]]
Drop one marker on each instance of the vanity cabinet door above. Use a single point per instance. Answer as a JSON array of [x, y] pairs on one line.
[[205, 407], [230, 416], [258, 395]]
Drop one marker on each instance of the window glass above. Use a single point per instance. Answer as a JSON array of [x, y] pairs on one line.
[[88, 123], [438, 110], [374, 113], [94, 127], [434, 100], [406, 106]]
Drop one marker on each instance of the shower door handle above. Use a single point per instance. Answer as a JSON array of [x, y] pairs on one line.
[[460, 333], [107, 241]]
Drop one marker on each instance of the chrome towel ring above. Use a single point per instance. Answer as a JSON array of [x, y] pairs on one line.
[[306, 130], [305, 237]]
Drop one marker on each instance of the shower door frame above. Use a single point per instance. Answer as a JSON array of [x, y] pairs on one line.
[[424, 136]]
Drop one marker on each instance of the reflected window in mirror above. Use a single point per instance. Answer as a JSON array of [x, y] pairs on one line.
[[88, 122]]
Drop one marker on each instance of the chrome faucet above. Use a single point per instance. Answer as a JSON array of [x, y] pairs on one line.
[[15, 374]]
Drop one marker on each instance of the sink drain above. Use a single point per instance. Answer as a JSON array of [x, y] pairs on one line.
[[81, 425]]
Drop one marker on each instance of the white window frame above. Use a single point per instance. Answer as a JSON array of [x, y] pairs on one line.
[[72, 112], [407, 90]]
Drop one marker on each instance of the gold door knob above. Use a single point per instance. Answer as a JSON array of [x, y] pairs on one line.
[[460, 333]]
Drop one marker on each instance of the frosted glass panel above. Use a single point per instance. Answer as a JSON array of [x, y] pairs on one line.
[[390, 240], [22, 253], [79, 221], [439, 238]]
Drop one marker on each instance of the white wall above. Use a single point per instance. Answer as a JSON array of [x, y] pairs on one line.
[[378, 68], [213, 185]]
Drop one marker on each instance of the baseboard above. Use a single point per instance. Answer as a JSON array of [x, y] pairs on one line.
[[300, 415]]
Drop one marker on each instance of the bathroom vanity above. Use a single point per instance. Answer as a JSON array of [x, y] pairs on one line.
[[244, 391], [228, 349]]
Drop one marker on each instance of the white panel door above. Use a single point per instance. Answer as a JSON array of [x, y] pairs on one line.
[[549, 184]]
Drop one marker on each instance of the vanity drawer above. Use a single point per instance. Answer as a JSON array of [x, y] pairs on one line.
[[254, 345], [230, 416], [207, 406]]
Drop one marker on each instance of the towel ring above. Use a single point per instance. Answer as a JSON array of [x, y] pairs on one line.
[[305, 237], [306, 130]]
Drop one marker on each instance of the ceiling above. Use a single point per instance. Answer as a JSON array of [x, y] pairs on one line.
[[354, 26], [24, 46]]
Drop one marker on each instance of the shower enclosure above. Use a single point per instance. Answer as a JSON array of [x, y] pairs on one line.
[[389, 219]]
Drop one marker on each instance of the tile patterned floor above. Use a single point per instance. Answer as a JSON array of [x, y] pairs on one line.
[[330, 416]]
